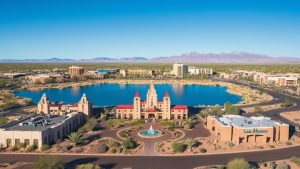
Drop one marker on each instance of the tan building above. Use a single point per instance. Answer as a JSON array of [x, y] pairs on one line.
[[180, 70], [41, 78], [278, 80], [44, 106], [46, 78], [152, 108], [239, 129], [76, 71], [39, 130], [126, 72]]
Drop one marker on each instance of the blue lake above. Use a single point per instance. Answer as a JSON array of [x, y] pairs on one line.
[[114, 94]]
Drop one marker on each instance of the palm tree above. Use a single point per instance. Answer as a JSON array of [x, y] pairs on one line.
[[74, 138], [189, 123], [107, 110], [190, 143]]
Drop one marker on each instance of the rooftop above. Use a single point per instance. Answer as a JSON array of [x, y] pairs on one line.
[[245, 122], [37, 123]]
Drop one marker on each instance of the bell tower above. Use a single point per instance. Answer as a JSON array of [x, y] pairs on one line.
[[85, 106], [43, 105], [167, 106], [137, 106], [151, 97]]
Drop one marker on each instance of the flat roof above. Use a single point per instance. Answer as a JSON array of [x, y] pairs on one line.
[[36, 123], [247, 122]]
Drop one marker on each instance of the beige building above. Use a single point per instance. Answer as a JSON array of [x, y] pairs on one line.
[[39, 130], [152, 108], [277, 80], [84, 106], [201, 71], [76, 71], [239, 129], [126, 72], [179, 70]]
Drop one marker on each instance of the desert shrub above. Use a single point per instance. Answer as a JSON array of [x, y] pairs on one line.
[[272, 165], [136, 122], [129, 144], [15, 148], [238, 163], [258, 109], [91, 124], [231, 144], [178, 147], [101, 147], [88, 166], [112, 143], [48, 162], [203, 150], [289, 143], [31, 148], [123, 133], [45, 147], [114, 123], [283, 165], [296, 160], [113, 150]]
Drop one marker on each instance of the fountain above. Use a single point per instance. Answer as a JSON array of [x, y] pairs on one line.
[[150, 133]]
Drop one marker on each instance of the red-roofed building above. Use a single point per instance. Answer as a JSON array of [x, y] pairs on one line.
[[152, 107]]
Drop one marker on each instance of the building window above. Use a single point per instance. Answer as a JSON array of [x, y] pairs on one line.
[[26, 142], [36, 142], [8, 142], [17, 142]]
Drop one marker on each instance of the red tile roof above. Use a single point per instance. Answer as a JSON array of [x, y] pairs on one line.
[[137, 94], [180, 107], [125, 106], [167, 94], [152, 110]]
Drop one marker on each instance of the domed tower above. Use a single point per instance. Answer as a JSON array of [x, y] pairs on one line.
[[85, 106], [44, 105], [137, 106], [167, 106]]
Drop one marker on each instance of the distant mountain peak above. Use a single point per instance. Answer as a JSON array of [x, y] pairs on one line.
[[191, 57]]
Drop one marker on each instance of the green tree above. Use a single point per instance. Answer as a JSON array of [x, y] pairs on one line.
[[179, 147], [48, 162], [190, 143], [129, 144], [74, 138], [238, 163]]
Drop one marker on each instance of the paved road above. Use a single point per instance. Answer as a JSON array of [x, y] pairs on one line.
[[176, 162], [159, 162], [278, 98]]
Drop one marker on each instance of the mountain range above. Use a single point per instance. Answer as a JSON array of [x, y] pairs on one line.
[[193, 57]]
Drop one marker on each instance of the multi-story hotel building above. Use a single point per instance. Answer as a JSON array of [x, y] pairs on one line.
[[126, 72], [39, 130], [278, 80], [151, 108], [201, 71], [44, 106], [239, 129], [76, 71], [180, 70]]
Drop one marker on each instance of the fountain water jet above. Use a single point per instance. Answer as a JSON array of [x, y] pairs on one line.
[[150, 133]]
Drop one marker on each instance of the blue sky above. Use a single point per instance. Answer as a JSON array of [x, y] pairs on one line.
[[147, 28]]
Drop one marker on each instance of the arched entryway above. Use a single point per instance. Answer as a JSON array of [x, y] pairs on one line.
[[151, 116]]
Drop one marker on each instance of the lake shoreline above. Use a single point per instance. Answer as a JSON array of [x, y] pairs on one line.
[[249, 96]]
